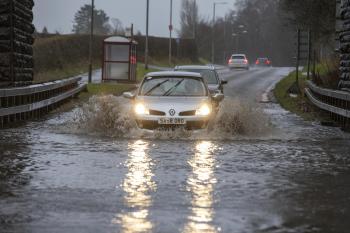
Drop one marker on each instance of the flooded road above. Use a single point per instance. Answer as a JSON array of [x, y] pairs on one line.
[[58, 175]]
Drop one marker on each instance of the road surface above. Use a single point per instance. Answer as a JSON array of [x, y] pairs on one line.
[[277, 173]]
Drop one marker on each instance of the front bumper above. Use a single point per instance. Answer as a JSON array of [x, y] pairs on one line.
[[192, 123]]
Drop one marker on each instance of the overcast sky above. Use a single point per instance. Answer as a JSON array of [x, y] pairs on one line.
[[59, 14]]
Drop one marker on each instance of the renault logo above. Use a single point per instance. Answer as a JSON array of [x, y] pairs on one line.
[[172, 112]]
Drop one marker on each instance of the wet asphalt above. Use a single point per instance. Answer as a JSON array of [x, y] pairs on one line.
[[294, 178]]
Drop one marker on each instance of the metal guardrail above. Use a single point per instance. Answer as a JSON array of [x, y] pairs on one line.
[[337, 103], [18, 91], [343, 95], [18, 104]]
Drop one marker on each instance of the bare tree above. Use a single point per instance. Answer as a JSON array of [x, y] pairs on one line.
[[317, 15], [189, 19], [117, 27]]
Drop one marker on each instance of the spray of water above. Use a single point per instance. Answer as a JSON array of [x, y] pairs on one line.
[[236, 118], [108, 115], [111, 116]]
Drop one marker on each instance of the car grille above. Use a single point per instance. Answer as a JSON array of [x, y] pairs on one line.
[[188, 113], [191, 125], [156, 113]]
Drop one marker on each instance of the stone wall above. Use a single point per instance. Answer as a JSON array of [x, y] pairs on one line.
[[344, 38], [16, 40]]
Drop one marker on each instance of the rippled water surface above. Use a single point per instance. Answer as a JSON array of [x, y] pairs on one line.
[[87, 173]]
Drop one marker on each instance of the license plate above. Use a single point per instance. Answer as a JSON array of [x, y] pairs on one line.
[[171, 121]]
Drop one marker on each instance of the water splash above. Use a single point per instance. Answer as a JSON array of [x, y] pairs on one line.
[[236, 118], [111, 116], [108, 115]]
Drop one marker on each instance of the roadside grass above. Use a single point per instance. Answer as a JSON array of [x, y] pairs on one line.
[[141, 72], [108, 88], [72, 70], [114, 88], [60, 57], [299, 104]]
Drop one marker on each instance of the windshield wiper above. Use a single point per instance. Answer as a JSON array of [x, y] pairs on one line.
[[155, 87], [168, 92]]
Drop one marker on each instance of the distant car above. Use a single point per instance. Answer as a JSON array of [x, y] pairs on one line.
[[263, 62], [210, 76], [238, 61], [171, 99]]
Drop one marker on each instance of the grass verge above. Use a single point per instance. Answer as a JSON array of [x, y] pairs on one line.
[[299, 104], [113, 88]]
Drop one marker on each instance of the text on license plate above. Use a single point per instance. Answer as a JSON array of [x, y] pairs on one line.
[[172, 121]]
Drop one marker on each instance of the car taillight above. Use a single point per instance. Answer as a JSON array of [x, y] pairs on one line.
[[229, 61], [257, 62], [268, 62], [245, 61]]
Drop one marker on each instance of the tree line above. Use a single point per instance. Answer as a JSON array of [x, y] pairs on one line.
[[260, 28], [103, 24]]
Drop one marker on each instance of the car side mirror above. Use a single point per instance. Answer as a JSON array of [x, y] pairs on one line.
[[224, 82], [218, 97], [128, 95]]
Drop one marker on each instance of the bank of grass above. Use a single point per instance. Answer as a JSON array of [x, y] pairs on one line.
[[298, 104], [63, 56], [113, 88], [71, 70]]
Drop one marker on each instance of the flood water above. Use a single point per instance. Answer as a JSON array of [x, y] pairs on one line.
[[77, 173]]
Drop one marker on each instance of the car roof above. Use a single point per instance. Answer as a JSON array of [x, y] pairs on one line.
[[195, 67], [174, 74], [238, 55]]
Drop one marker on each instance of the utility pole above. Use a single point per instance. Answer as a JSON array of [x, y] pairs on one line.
[[146, 42], [91, 39], [170, 32], [213, 30], [298, 58], [195, 20], [225, 40], [309, 54], [212, 35]]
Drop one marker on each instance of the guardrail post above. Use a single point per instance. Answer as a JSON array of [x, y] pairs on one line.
[[309, 54]]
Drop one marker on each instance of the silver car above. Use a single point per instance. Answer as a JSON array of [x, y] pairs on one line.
[[209, 74], [238, 61], [173, 99]]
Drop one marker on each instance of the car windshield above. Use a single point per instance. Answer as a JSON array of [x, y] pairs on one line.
[[262, 59], [208, 75], [172, 86], [238, 57]]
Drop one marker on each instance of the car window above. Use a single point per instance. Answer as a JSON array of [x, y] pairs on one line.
[[208, 75], [172, 86], [238, 57]]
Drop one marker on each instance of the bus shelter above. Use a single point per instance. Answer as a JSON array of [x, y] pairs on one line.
[[119, 59]]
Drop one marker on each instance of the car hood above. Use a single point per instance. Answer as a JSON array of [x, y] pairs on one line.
[[179, 104]]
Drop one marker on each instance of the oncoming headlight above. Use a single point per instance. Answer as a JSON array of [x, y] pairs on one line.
[[140, 109], [204, 110]]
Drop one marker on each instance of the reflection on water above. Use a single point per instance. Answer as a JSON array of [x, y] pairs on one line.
[[201, 185], [137, 186]]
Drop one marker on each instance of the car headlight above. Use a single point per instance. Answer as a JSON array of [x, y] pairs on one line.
[[204, 110], [140, 109]]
